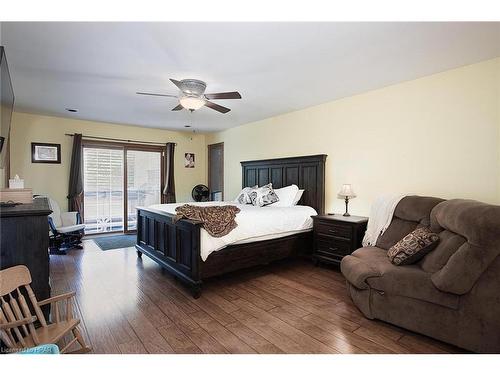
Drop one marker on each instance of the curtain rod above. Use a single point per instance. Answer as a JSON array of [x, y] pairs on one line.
[[119, 140]]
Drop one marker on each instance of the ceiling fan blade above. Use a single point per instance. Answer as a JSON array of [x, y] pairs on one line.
[[178, 108], [224, 95], [217, 107], [177, 83], [153, 94]]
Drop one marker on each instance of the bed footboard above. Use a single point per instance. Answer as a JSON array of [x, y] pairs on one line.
[[175, 246]]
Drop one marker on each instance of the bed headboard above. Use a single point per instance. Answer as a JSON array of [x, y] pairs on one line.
[[307, 172]]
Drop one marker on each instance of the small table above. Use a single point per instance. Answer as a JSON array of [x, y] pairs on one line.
[[336, 236]]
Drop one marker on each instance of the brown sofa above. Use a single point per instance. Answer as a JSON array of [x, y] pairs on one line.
[[453, 293]]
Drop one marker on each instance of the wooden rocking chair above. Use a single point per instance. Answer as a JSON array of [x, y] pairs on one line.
[[17, 328]]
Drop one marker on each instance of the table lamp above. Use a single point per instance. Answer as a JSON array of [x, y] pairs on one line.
[[346, 193]]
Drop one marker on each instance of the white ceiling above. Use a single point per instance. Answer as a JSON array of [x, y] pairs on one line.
[[277, 67]]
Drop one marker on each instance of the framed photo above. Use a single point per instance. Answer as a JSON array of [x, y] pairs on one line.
[[46, 153], [189, 160]]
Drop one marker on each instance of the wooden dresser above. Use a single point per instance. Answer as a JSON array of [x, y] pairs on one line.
[[336, 236], [24, 239]]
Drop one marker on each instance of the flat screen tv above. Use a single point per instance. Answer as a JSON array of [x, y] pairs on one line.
[[6, 105]]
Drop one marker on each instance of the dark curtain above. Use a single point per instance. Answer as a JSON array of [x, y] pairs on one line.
[[169, 190], [75, 191]]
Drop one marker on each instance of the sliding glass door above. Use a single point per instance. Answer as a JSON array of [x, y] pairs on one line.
[[103, 190], [143, 182], [117, 179]]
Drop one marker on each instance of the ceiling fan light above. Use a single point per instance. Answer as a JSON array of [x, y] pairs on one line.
[[192, 102]]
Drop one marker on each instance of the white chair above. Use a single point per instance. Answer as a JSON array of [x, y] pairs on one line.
[[66, 229]]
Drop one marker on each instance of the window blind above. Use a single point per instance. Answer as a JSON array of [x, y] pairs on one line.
[[103, 187]]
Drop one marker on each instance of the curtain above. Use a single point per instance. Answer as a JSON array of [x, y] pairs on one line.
[[169, 190], [75, 190]]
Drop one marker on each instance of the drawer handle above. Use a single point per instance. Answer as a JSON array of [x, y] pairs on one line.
[[332, 231], [333, 248]]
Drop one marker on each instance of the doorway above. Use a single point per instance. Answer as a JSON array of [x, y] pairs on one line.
[[216, 171], [117, 179]]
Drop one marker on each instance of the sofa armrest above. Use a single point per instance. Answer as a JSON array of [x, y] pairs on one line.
[[357, 271]]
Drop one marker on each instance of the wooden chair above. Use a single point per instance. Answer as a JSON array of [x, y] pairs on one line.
[[17, 322]]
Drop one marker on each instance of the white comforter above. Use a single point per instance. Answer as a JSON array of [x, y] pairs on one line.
[[254, 224]]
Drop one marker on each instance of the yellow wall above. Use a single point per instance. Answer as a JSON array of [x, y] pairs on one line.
[[52, 179], [438, 135]]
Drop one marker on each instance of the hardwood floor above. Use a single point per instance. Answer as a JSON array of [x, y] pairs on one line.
[[128, 305]]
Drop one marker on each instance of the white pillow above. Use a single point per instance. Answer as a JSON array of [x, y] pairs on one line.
[[286, 196], [298, 196], [244, 195]]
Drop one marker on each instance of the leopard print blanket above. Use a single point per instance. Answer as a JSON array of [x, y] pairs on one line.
[[216, 220]]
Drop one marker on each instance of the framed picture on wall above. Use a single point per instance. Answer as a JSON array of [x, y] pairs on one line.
[[45, 153], [189, 160]]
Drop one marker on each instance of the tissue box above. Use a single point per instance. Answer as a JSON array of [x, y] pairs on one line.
[[16, 195], [16, 183]]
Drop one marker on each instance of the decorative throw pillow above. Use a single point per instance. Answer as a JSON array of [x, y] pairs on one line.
[[263, 196], [244, 195], [413, 247]]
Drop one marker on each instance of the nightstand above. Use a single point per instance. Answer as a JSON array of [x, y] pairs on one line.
[[336, 236]]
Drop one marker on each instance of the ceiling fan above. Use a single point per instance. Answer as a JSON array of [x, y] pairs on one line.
[[192, 96]]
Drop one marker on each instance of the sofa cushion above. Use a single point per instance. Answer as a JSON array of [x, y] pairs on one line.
[[369, 267], [411, 281], [413, 247], [411, 212], [478, 224]]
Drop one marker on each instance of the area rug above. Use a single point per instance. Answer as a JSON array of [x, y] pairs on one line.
[[116, 242]]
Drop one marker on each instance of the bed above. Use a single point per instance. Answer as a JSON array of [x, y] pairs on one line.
[[181, 247]]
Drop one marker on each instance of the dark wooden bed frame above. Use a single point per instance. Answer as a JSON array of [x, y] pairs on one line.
[[176, 246]]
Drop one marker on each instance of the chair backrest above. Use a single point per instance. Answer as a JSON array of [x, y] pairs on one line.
[[469, 234], [411, 212], [14, 306], [13, 278], [56, 213]]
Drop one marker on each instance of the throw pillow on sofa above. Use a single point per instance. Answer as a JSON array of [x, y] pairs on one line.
[[413, 247]]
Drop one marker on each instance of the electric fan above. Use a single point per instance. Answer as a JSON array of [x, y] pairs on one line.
[[200, 193]]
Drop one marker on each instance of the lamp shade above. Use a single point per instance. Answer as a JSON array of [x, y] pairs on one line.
[[347, 191]]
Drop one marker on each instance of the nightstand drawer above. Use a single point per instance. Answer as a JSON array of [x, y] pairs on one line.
[[336, 236], [329, 258], [330, 246], [335, 230]]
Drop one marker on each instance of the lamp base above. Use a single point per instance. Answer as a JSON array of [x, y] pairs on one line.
[[347, 207]]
